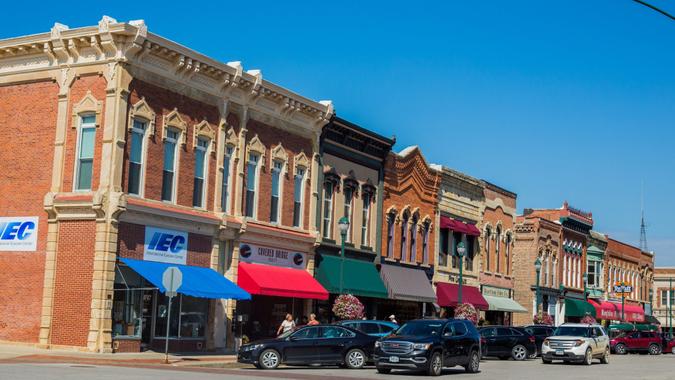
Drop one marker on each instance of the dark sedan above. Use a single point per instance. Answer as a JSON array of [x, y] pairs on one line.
[[540, 333], [508, 342], [325, 345]]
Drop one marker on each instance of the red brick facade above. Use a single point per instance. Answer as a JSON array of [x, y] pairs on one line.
[[27, 114]]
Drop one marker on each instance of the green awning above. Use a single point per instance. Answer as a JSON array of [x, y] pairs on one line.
[[593, 249], [504, 304], [633, 327], [578, 308], [360, 278]]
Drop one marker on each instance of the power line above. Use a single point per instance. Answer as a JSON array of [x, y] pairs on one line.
[[656, 9]]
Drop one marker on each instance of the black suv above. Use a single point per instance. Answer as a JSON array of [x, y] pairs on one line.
[[429, 345]]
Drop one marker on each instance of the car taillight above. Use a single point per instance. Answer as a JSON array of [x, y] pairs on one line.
[[532, 339]]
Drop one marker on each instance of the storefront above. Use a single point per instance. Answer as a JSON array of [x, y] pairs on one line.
[[359, 278], [280, 284], [501, 305], [139, 305], [448, 295], [411, 295], [575, 309]]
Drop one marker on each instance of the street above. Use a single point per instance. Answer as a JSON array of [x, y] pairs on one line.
[[631, 367]]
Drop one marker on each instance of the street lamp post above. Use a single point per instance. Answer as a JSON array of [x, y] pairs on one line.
[[343, 224], [461, 250], [537, 268], [585, 286]]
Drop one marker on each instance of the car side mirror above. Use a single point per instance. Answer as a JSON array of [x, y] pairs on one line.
[[447, 334]]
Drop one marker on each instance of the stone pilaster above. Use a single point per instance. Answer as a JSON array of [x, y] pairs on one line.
[[241, 161]]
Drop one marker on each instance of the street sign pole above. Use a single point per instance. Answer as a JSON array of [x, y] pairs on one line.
[[166, 342], [172, 279]]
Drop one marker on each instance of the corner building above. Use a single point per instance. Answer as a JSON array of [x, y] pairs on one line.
[[135, 153]]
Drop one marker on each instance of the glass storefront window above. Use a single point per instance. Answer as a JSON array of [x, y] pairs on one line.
[[162, 313], [127, 314], [188, 317]]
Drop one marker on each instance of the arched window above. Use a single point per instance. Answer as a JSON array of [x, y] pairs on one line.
[[413, 238], [404, 235], [391, 218], [488, 236], [498, 236], [507, 253], [425, 242]]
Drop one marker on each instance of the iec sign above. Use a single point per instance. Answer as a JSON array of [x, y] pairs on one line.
[[18, 233], [166, 246], [251, 253]]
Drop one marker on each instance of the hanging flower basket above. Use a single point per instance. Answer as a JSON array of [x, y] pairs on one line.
[[347, 306], [542, 319], [466, 311], [589, 319]]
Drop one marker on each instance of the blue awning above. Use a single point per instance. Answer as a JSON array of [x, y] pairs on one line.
[[197, 281]]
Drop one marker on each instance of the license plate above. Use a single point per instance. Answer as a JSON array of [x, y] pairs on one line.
[[560, 352], [393, 359]]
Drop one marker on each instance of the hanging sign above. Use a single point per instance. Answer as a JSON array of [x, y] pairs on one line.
[[622, 289], [18, 233], [251, 253], [166, 246]]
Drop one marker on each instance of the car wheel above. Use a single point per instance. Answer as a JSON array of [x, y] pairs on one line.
[[654, 349], [519, 352], [355, 358], [435, 366], [533, 355], [588, 358], [605, 357], [474, 362], [620, 349], [546, 361], [383, 370], [269, 359]]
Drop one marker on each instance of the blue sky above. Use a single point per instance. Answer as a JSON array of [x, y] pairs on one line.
[[554, 100]]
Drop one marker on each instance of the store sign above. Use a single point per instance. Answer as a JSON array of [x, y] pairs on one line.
[[166, 246], [18, 233], [496, 292], [252, 253], [623, 288]]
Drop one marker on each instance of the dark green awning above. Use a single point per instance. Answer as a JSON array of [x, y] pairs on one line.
[[578, 308], [360, 278]]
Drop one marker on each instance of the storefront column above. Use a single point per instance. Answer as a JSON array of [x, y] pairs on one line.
[[560, 312]]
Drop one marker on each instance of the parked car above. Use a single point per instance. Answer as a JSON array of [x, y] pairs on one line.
[[670, 346], [540, 333], [370, 327], [326, 345], [508, 342], [429, 345], [637, 341], [576, 342]]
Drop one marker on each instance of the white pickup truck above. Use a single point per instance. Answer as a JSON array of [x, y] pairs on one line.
[[576, 342]]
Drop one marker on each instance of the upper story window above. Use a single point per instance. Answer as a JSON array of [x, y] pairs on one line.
[[349, 197], [391, 218], [136, 157], [404, 235], [251, 184], [200, 172], [328, 190], [365, 219], [470, 252], [298, 196], [277, 166], [168, 172], [456, 239], [507, 252], [488, 237], [226, 185], [413, 238], [425, 242], [444, 247], [498, 236], [86, 141]]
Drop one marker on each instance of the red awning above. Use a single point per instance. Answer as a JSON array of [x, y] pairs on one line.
[[447, 295], [459, 226], [605, 310], [268, 280], [631, 313]]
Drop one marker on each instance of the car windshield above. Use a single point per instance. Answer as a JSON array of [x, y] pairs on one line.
[[420, 328], [286, 334], [572, 331]]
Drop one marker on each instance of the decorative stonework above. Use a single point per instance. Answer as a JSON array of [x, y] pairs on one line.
[[279, 154], [88, 105], [301, 161], [175, 121], [203, 129], [141, 110], [256, 146]]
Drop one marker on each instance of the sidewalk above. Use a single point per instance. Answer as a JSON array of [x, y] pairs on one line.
[[17, 353]]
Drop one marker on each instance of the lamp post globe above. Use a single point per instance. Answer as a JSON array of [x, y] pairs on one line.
[[461, 251], [343, 225], [537, 268]]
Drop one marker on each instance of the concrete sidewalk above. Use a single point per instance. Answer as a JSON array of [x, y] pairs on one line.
[[11, 353]]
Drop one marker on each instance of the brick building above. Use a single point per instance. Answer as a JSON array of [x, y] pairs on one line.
[[663, 295], [498, 240], [628, 264], [139, 137], [410, 224]]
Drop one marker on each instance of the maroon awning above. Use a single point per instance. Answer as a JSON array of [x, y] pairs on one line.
[[447, 295], [459, 226]]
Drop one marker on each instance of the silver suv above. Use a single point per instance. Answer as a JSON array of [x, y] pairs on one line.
[[576, 342]]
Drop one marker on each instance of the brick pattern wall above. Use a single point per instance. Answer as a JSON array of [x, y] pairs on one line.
[[493, 217], [126, 345], [193, 112], [96, 85], [74, 271], [524, 254], [408, 181], [28, 115], [131, 238]]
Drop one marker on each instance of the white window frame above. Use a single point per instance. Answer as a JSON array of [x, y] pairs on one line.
[[256, 184], [366, 199], [144, 154], [76, 174], [176, 153], [278, 167], [327, 228], [226, 180], [301, 172], [205, 170]]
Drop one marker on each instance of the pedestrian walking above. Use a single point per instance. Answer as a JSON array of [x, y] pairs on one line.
[[287, 325], [392, 319], [312, 320]]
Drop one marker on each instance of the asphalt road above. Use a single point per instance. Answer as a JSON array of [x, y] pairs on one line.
[[630, 367]]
